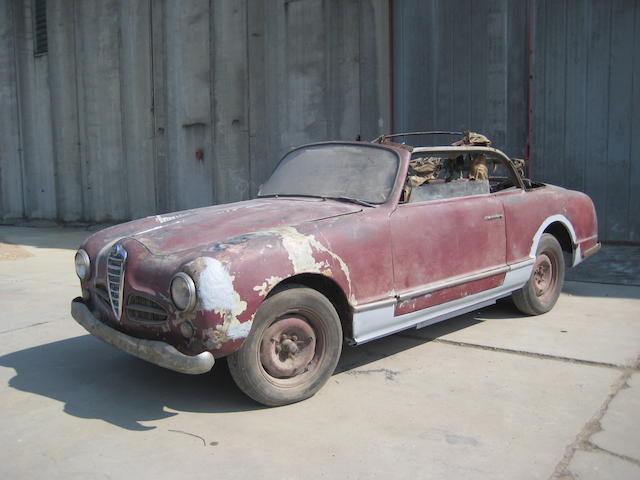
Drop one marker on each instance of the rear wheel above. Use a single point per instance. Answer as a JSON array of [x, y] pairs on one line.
[[541, 292], [292, 350]]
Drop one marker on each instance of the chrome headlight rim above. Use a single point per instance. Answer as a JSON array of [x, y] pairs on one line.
[[191, 289], [82, 261]]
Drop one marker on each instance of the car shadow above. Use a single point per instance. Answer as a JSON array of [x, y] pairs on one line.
[[96, 381]]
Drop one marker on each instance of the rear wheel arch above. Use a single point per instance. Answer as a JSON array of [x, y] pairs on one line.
[[560, 231]]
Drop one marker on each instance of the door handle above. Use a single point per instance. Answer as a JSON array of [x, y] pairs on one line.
[[493, 217]]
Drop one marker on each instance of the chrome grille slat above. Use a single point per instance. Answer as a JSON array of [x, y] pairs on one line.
[[145, 310], [115, 277]]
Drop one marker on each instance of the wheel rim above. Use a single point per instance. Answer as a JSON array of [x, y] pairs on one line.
[[290, 350], [544, 276]]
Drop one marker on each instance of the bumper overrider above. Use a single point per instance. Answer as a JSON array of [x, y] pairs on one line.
[[160, 353]]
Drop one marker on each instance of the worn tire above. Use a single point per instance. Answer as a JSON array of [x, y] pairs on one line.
[[541, 292], [292, 349]]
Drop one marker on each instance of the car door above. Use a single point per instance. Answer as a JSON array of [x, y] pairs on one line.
[[446, 249]]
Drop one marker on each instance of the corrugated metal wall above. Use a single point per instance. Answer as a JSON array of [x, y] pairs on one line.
[[463, 64], [587, 106], [107, 124]]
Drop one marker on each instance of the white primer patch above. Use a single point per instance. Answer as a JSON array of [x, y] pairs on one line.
[[215, 286], [267, 285], [168, 218], [300, 247], [216, 292], [241, 330]]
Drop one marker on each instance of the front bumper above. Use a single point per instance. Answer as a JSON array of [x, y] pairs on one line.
[[160, 353]]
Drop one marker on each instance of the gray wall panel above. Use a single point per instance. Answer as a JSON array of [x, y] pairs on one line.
[[188, 90], [137, 106], [633, 218], [98, 37], [138, 87], [586, 72], [64, 110], [620, 117], [470, 71], [35, 114], [11, 191], [230, 101], [453, 63]]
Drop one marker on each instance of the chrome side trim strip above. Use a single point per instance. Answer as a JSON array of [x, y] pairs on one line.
[[374, 305], [452, 282], [379, 322]]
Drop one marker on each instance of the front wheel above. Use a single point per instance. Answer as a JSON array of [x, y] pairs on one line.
[[292, 349], [541, 292]]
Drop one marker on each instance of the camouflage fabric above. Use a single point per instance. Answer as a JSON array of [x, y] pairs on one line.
[[479, 170], [473, 138], [426, 166]]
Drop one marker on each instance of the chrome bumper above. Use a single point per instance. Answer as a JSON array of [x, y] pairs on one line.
[[160, 353]]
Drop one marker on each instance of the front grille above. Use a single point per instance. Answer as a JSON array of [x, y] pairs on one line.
[[103, 295], [144, 310], [115, 276]]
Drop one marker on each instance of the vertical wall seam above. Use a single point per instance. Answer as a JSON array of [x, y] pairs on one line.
[[564, 96], [607, 118], [124, 160], [360, 73], [74, 35], [215, 171], [152, 83], [58, 215], [247, 105], [633, 86], [587, 23], [18, 91]]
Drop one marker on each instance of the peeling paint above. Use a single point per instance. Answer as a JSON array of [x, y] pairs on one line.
[[215, 286], [216, 293], [241, 330], [300, 248], [267, 285], [168, 218]]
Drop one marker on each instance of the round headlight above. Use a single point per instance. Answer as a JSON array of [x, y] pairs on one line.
[[183, 292], [83, 264]]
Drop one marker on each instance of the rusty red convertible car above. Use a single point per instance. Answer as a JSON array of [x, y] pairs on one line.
[[346, 242]]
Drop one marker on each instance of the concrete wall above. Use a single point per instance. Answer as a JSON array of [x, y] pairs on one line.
[[106, 125], [464, 65]]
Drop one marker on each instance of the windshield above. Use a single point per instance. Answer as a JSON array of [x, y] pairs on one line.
[[358, 172]]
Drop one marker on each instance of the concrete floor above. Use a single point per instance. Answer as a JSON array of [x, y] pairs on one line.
[[489, 395]]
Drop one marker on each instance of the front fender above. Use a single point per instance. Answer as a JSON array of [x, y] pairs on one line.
[[233, 278]]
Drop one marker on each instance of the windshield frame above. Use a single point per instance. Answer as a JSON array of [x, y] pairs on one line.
[[392, 188]]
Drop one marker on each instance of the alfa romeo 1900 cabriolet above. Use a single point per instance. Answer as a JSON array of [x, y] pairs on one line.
[[346, 242]]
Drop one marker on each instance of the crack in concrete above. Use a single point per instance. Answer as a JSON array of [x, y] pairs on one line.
[[543, 356], [22, 328], [593, 426], [191, 435], [592, 446]]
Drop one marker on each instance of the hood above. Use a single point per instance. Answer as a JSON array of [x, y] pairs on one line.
[[190, 229]]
